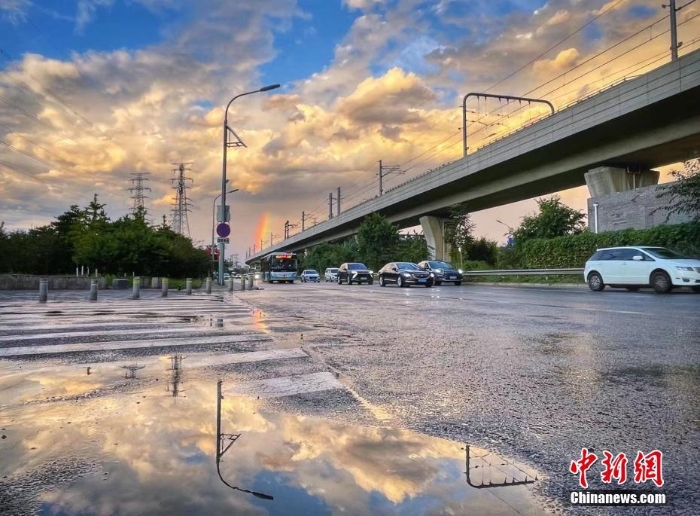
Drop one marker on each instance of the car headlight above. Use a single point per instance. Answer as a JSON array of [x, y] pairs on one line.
[[460, 271], [407, 274], [683, 268], [432, 275], [371, 272]]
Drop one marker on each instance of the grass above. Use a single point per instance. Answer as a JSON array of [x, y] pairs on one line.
[[542, 280]]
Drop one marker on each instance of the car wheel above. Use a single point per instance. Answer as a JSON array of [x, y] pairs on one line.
[[438, 283], [382, 283], [661, 282], [370, 281], [400, 282], [632, 289], [458, 283], [428, 285], [696, 289], [595, 282]]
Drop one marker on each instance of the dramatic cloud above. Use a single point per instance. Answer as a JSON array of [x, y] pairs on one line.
[[391, 90]]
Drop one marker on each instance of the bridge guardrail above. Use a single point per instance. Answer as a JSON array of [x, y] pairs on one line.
[[526, 272]]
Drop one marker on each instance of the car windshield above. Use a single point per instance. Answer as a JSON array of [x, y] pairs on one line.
[[407, 265], [333, 270], [441, 265], [310, 272], [660, 252], [356, 266]]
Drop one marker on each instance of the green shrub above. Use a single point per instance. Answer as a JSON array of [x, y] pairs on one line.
[[475, 265], [574, 250]]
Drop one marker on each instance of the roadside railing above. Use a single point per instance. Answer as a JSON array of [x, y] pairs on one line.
[[526, 272]]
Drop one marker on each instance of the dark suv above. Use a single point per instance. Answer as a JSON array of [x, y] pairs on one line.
[[444, 272], [354, 273]]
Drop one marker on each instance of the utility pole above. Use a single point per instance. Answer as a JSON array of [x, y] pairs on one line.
[[383, 172], [137, 190], [337, 200], [182, 205], [330, 205], [674, 26]]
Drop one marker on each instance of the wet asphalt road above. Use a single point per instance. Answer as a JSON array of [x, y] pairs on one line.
[[312, 372], [536, 373]]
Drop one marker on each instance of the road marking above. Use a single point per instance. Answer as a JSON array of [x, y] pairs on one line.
[[161, 332], [127, 345], [287, 385]]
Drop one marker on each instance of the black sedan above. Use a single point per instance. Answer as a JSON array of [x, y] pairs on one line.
[[404, 274], [444, 272], [354, 273]]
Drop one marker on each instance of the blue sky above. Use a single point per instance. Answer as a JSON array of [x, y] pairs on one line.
[[94, 90]]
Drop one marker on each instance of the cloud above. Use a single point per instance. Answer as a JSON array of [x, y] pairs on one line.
[[389, 92], [14, 11], [563, 61], [86, 10]]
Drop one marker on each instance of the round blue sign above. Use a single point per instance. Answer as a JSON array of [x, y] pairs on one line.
[[223, 230]]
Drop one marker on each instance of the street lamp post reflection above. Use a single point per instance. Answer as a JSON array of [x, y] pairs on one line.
[[224, 442], [231, 139]]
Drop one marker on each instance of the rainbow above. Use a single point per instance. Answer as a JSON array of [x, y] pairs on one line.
[[262, 231]]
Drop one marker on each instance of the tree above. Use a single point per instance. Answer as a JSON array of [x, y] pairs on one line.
[[459, 227], [554, 219], [684, 192], [412, 248], [377, 241], [483, 250]]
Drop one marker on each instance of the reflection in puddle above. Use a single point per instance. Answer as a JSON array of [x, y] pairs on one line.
[[139, 453]]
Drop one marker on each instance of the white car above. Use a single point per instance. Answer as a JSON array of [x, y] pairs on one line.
[[310, 275], [331, 274], [635, 267]]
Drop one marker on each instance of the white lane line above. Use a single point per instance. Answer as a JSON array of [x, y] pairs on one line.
[[160, 332], [127, 344], [248, 356], [67, 325], [287, 385], [110, 310]]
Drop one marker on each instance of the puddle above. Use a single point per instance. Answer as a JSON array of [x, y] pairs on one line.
[[154, 451]]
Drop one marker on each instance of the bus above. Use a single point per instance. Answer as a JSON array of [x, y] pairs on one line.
[[280, 267]]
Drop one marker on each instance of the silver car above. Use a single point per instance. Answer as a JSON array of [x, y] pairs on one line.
[[331, 274]]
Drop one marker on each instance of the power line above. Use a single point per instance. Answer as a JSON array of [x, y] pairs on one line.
[[554, 46]]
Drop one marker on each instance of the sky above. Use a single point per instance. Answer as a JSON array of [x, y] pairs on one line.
[[94, 91]]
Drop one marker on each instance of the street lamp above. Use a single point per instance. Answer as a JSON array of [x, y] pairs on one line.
[[237, 142], [213, 223], [510, 229]]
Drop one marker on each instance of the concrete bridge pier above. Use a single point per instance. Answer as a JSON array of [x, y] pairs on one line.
[[434, 231], [609, 180]]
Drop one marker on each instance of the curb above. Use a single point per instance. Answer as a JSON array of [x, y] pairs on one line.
[[525, 285]]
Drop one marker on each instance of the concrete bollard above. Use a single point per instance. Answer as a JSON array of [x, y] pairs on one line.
[[208, 285], [243, 280], [43, 290], [137, 289], [164, 291], [188, 286], [93, 290], [251, 279], [230, 284]]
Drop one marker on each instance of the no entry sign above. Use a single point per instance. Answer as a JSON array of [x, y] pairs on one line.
[[223, 230]]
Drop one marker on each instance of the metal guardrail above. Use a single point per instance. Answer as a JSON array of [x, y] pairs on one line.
[[526, 272]]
